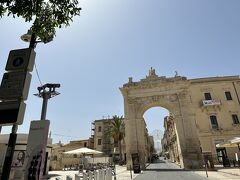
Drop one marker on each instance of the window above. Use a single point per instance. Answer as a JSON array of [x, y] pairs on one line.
[[85, 144], [228, 95], [99, 141], [214, 122], [235, 119], [99, 129], [54, 158], [207, 96]]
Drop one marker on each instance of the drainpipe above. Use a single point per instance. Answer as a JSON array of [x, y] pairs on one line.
[[236, 92]]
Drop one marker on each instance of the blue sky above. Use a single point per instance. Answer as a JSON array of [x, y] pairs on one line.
[[113, 40]]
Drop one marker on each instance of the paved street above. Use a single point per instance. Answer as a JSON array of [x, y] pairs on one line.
[[163, 170], [166, 170]]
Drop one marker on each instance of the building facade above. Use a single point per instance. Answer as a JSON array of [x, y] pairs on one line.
[[216, 108], [205, 112], [169, 141], [104, 143]]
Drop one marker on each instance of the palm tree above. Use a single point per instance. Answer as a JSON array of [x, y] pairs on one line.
[[116, 130]]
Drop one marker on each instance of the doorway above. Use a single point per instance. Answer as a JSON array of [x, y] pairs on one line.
[[222, 157]]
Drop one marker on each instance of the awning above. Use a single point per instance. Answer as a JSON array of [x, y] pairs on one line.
[[234, 142], [84, 151]]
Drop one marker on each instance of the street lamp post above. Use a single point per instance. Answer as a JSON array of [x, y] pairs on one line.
[[38, 136], [45, 95]]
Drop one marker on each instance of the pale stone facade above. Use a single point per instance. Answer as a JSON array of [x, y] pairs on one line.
[[216, 107], [104, 143], [169, 141], [195, 123]]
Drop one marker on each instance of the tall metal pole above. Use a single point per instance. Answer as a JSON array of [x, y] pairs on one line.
[[45, 96], [9, 153]]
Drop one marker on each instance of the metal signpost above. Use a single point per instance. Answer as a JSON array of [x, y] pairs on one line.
[[13, 91]]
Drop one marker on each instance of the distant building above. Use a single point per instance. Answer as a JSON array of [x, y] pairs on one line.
[[169, 141], [59, 160], [104, 143], [99, 141]]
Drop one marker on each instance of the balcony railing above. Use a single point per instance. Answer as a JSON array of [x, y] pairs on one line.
[[213, 102]]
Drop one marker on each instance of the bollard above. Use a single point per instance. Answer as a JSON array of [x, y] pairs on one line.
[[101, 174], [131, 171], [114, 172], [96, 175], [77, 177], [90, 175], [109, 174], [85, 176], [68, 177]]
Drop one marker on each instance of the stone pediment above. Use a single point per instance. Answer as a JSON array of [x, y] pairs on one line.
[[153, 80]]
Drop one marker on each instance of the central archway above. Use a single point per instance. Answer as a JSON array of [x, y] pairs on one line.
[[170, 93], [154, 118]]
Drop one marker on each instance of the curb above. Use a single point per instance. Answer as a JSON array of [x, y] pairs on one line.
[[231, 173]]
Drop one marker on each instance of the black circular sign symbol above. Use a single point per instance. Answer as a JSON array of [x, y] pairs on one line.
[[17, 62]]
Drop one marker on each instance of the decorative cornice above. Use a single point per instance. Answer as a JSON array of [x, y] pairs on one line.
[[215, 79], [152, 80]]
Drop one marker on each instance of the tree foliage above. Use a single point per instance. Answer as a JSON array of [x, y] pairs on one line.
[[116, 130], [47, 15]]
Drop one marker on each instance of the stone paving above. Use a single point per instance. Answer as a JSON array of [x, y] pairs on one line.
[[121, 174], [167, 169]]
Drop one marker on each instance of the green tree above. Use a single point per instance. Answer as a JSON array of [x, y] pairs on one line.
[[45, 15], [116, 130]]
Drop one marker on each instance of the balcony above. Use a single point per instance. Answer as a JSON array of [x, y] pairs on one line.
[[93, 126], [214, 103]]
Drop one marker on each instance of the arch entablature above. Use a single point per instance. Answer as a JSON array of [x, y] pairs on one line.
[[142, 104]]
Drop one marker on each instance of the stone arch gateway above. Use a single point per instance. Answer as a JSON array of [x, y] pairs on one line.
[[171, 93]]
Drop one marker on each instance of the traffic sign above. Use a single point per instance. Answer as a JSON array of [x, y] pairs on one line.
[[21, 59], [12, 112], [15, 85]]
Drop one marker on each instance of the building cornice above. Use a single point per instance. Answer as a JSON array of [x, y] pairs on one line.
[[215, 79]]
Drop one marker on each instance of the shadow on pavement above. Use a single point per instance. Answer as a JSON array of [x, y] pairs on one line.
[[157, 161], [152, 169]]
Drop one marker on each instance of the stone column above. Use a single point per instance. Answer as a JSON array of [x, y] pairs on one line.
[[190, 153]]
